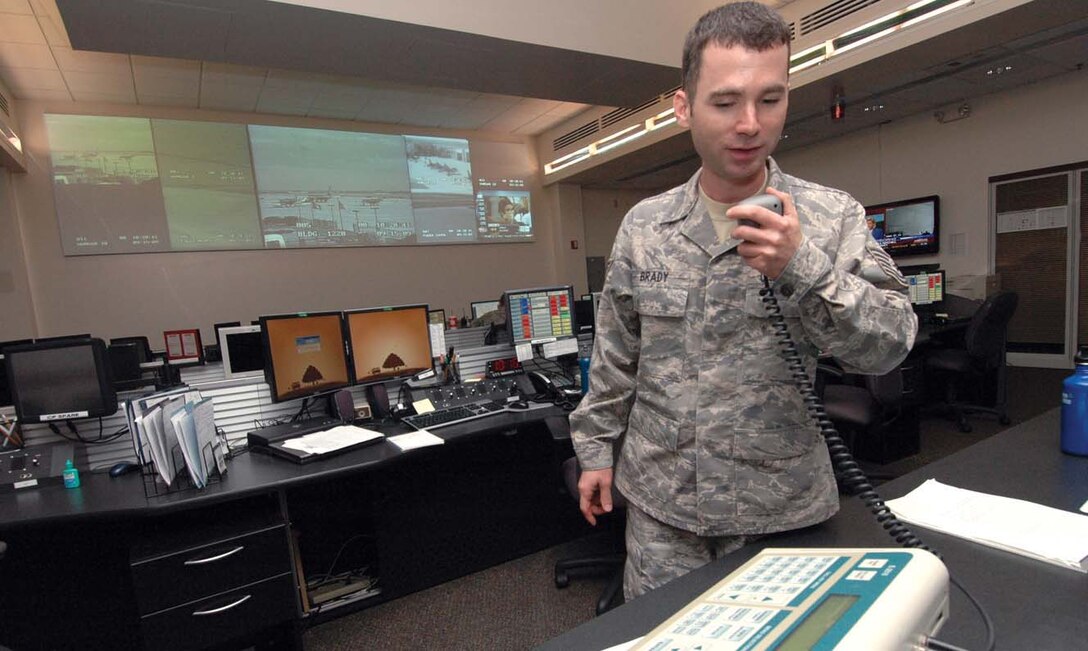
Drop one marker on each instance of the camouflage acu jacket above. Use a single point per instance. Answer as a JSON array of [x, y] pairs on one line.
[[687, 372]]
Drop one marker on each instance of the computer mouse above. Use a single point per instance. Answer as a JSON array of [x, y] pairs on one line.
[[517, 404], [123, 467]]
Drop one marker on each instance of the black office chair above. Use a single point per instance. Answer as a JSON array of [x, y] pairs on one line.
[[864, 408], [610, 562], [982, 356]]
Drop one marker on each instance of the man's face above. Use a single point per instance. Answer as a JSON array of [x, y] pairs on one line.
[[738, 111]]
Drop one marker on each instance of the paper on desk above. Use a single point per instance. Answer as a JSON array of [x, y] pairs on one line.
[[438, 338], [185, 431], [331, 440], [1032, 530], [418, 439], [423, 406]]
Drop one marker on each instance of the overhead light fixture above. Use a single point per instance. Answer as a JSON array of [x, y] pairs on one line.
[[999, 70], [812, 56]]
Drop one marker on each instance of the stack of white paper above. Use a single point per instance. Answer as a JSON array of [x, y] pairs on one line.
[[1039, 532], [332, 439]]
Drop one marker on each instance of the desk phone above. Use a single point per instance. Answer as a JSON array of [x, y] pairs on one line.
[[820, 599]]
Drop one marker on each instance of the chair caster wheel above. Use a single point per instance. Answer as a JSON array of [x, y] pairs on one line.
[[562, 580]]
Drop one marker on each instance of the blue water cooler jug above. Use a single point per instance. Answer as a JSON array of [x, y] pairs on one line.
[[1075, 407]]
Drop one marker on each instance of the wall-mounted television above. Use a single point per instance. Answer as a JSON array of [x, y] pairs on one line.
[[907, 227]]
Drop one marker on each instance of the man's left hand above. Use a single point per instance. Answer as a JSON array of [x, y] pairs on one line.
[[769, 247]]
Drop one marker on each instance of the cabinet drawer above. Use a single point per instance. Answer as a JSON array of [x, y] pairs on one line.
[[223, 617], [197, 572]]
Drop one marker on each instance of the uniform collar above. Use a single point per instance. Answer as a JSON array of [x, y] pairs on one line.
[[689, 192]]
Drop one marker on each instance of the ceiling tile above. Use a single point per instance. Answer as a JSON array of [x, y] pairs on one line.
[[26, 55], [112, 98], [54, 31], [16, 28], [98, 82], [44, 95], [15, 7], [227, 73], [86, 61], [167, 77], [187, 101], [26, 79], [225, 97]]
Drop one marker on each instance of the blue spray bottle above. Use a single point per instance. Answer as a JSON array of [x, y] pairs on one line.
[[1075, 407]]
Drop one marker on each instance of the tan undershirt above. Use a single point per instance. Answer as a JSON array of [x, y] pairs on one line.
[[723, 226]]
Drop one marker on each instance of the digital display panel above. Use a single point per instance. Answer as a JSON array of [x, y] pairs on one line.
[[909, 227], [128, 185], [540, 315]]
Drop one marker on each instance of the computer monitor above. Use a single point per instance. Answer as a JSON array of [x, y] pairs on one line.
[[480, 308], [926, 289], [304, 354], [541, 315], [243, 351], [125, 359], [584, 314], [5, 390], [60, 380], [907, 227], [388, 343], [142, 342], [219, 326]]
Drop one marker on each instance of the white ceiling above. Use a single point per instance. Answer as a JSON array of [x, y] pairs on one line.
[[37, 62]]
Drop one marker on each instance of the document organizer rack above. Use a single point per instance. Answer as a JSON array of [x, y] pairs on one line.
[[154, 485]]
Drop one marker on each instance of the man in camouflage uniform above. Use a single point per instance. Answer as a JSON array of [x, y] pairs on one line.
[[717, 446]]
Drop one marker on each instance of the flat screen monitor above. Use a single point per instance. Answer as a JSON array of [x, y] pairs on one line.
[[5, 390], [243, 351], [540, 315], [926, 288], [908, 227], [388, 342], [60, 380], [304, 354], [436, 316], [219, 326], [480, 308], [583, 314], [143, 343], [125, 359]]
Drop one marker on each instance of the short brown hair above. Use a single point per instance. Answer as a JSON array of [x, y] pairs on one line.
[[750, 24]]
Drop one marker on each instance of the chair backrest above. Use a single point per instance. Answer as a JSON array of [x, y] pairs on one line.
[[887, 389], [985, 338]]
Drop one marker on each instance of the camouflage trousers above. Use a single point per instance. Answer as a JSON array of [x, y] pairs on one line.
[[658, 553]]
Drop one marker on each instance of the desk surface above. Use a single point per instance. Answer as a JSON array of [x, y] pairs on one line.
[[101, 496], [1034, 605]]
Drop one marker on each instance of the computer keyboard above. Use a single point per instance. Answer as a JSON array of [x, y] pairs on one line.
[[454, 415]]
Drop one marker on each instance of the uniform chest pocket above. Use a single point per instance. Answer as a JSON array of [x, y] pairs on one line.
[[662, 308], [754, 304]]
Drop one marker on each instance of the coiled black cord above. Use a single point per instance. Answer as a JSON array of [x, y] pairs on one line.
[[853, 478]]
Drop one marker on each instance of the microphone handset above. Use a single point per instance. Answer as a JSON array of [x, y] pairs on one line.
[[850, 474]]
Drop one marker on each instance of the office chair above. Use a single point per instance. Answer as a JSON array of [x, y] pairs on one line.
[[864, 412], [610, 563], [982, 355]]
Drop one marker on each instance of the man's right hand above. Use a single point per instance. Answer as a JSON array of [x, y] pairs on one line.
[[595, 493]]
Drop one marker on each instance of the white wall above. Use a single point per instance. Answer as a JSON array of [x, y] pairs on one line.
[[16, 309], [144, 294], [603, 210], [1035, 126]]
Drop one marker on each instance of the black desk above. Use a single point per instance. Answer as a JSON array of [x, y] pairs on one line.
[[1034, 605], [97, 566]]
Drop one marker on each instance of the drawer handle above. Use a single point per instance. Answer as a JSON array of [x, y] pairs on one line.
[[212, 559], [216, 611]]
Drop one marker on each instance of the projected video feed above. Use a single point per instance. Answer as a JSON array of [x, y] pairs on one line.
[[207, 185], [126, 185], [440, 173], [106, 184], [331, 188]]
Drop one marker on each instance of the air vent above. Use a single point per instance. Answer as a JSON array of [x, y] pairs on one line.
[[4, 105], [612, 117], [587, 129], [831, 13], [793, 31]]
